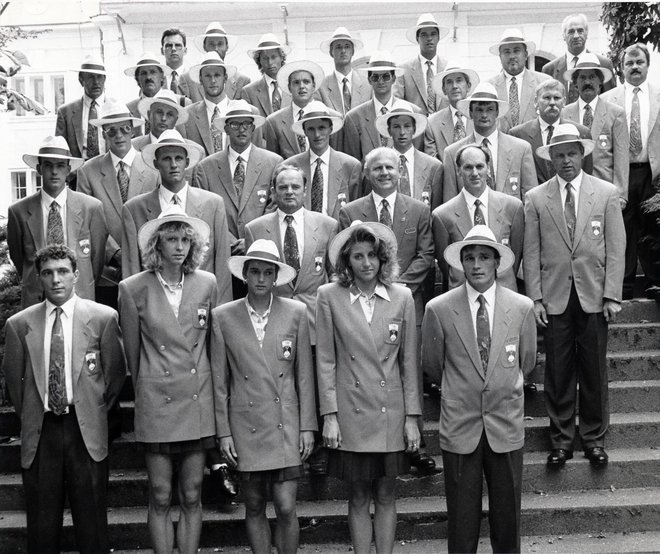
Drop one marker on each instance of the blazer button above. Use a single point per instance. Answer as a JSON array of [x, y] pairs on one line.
[[383, 409], [357, 383], [357, 410], [281, 374], [387, 358], [570, 277], [161, 347], [193, 371], [277, 400], [168, 400], [250, 404], [167, 372], [246, 377], [279, 426], [195, 397], [253, 430], [352, 357], [196, 344], [382, 383]]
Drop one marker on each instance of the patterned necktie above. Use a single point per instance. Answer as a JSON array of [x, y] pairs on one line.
[[92, 133], [514, 102], [635, 126], [430, 94], [216, 133], [384, 140], [490, 178], [276, 97], [569, 211], [239, 177], [385, 216], [479, 218], [302, 142], [483, 332], [174, 83], [57, 401], [291, 256], [551, 130], [54, 226], [459, 128], [346, 93], [588, 117], [317, 187], [572, 89], [122, 179], [404, 176]]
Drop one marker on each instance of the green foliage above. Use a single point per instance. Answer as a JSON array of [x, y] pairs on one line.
[[10, 34]]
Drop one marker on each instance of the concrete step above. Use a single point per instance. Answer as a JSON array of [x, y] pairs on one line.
[[633, 336], [639, 310]]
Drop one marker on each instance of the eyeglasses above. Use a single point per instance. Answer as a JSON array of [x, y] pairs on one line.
[[385, 77], [170, 46], [242, 125], [125, 129]]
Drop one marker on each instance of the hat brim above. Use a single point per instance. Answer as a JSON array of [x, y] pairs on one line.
[[544, 151], [284, 47], [382, 232], [452, 253], [398, 71], [411, 34], [531, 46], [144, 105], [289, 68], [337, 123], [194, 151], [421, 122], [606, 73], [471, 74], [285, 273], [198, 41], [150, 227], [195, 70], [325, 45], [463, 106], [130, 71], [257, 119], [32, 160], [100, 122], [94, 71]]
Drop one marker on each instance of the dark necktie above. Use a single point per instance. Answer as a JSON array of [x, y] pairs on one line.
[[57, 401], [122, 179], [174, 83], [483, 332], [92, 133], [430, 94], [569, 211], [404, 176], [479, 218], [215, 132], [176, 200], [239, 177], [302, 143], [551, 168], [635, 126], [276, 97], [572, 89], [459, 128], [588, 117], [317, 187], [490, 178], [54, 226], [385, 216], [291, 256], [346, 93], [383, 140], [514, 102]]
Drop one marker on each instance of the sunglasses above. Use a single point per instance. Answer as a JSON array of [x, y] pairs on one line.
[[385, 77], [243, 125], [124, 129]]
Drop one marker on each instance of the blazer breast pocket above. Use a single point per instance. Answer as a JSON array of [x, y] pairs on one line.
[[510, 354], [394, 328], [200, 315], [286, 347]]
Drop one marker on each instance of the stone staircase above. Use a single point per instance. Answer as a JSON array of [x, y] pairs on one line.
[[576, 501]]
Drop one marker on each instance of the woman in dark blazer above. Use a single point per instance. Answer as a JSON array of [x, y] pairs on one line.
[[367, 375], [165, 316]]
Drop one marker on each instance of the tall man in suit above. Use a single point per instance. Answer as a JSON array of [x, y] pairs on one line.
[[641, 102], [64, 367], [56, 215], [480, 340], [573, 259], [515, 82], [334, 177], [174, 47]]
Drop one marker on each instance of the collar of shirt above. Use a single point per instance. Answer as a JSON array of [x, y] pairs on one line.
[[434, 65], [454, 111], [470, 199], [492, 138], [544, 125], [569, 58], [127, 159], [166, 196], [211, 106], [519, 80], [378, 105], [87, 102], [47, 200], [410, 157], [255, 317], [325, 158], [233, 155], [582, 104], [172, 288], [391, 199], [576, 184], [489, 295], [67, 307], [340, 79], [298, 217], [380, 290], [643, 88], [269, 82]]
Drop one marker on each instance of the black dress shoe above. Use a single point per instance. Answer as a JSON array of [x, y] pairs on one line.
[[596, 455], [653, 292], [423, 462], [433, 389], [223, 482], [558, 457], [530, 388]]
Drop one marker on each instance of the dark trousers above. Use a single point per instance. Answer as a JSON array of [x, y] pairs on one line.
[[576, 347], [63, 467], [463, 488]]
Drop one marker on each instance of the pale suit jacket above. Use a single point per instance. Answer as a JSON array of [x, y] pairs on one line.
[[330, 92], [278, 134], [198, 127], [258, 94], [410, 86], [439, 132]]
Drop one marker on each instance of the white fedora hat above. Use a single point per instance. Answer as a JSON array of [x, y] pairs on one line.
[[53, 147], [380, 231], [512, 36], [268, 42], [318, 110], [479, 235], [163, 96], [455, 67], [170, 214], [113, 111], [565, 133], [213, 30], [483, 92], [211, 59], [382, 60], [172, 137], [265, 251], [92, 64], [401, 108], [425, 20], [147, 59], [341, 33], [300, 65], [588, 60], [240, 108]]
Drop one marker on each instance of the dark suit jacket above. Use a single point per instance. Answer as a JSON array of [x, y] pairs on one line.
[[439, 132], [96, 386], [69, 126], [557, 67], [410, 86], [86, 235], [258, 94]]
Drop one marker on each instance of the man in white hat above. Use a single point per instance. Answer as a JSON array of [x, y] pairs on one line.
[[334, 177], [511, 167], [171, 155], [573, 259], [449, 125], [56, 215], [162, 111], [84, 139], [415, 84], [479, 340], [575, 31], [266, 94], [515, 81], [302, 79], [113, 178], [641, 100], [605, 120], [360, 135]]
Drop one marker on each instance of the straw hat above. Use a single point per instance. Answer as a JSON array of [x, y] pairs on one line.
[[92, 64], [172, 213], [382, 60], [53, 147], [455, 67], [588, 61], [301, 65], [512, 36], [318, 110], [213, 30], [401, 108], [163, 96], [483, 92], [425, 20], [265, 251], [240, 108], [380, 231], [172, 137], [564, 134], [211, 59], [268, 42], [147, 59], [341, 33], [113, 111], [479, 235]]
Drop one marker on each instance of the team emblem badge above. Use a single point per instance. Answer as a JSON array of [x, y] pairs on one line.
[[426, 197], [90, 360], [511, 352], [262, 196], [202, 316], [342, 199], [595, 227], [604, 141], [514, 183], [85, 246], [394, 332], [287, 349], [318, 263]]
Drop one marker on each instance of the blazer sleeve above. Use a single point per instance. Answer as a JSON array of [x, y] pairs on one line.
[[430, 147], [615, 241], [516, 238], [222, 253], [440, 242], [113, 359], [326, 360], [408, 360], [15, 240], [98, 232], [437, 184], [220, 377], [621, 142], [344, 219], [130, 326], [130, 252], [532, 251], [305, 375], [419, 266], [528, 178], [528, 342], [433, 345], [450, 185], [351, 142], [13, 365]]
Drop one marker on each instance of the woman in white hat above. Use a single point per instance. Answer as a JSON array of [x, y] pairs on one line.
[[165, 314], [367, 377], [265, 407]]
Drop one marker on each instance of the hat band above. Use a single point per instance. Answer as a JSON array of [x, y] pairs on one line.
[[239, 113], [317, 115], [219, 63], [269, 44], [45, 150], [564, 138], [485, 97], [400, 111], [428, 24], [382, 62], [479, 237], [215, 32], [163, 100], [125, 115], [341, 37], [174, 141], [588, 65], [264, 255], [148, 62], [513, 40], [92, 66]]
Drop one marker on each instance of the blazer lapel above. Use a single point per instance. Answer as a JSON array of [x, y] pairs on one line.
[[526, 95], [204, 127], [334, 182], [226, 178], [77, 118], [74, 220], [81, 335], [110, 183], [421, 180], [335, 95], [503, 163], [501, 323], [369, 125], [271, 340], [494, 215], [35, 221], [417, 77], [466, 332], [556, 210], [252, 172], [585, 206], [34, 339], [309, 249], [447, 126], [463, 219], [399, 218]]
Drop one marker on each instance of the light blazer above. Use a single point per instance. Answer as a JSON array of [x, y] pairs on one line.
[[168, 356], [367, 374], [233, 87], [330, 93], [315, 268], [617, 96], [264, 395], [344, 179], [428, 180], [515, 173], [199, 203], [410, 86], [86, 234], [258, 94], [98, 370], [439, 132], [474, 402], [593, 264], [69, 126], [527, 86], [451, 222], [557, 67], [278, 134], [214, 174], [198, 127], [610, 133]]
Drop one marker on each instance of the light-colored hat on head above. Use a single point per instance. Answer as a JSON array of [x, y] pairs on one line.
[[213, 30], [483, 92], [163, 96], [318, 110], [455, 67], [265, 251], [565, 133], [240, 108], [425, 20], [53, 147], [588, 60], [172, 213], [380, 231], [172, 137], [400, 107], [211, 59], [113, 111], [300, 65], [268, 42], [382, 60], [92, 64], [147, 59], [479, 235], [341, 33], [512, 36]]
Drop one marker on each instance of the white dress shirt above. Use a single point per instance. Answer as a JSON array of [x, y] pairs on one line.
[[493, 146], [473, 302], [46, 201], [173, 293], [368, 302], [470, 199], [165, 197], [233, 158], [127, 159], [340, 83], [410, 164], [582, 104], [519, 80], [298, 224], [210, 108], [377, 198], [67, 330], [544, 129], [425, 67], [259, 321], [325, 171], [575, 184]]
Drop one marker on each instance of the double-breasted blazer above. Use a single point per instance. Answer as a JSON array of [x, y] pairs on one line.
[[168, 356], [315, 268], [199, 203], [410, 85], [594, 263], [439, 132], [265, 394], [474, 401], [98, 369], [451, 222], [86, 234], [367, 374], [258, 94]]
